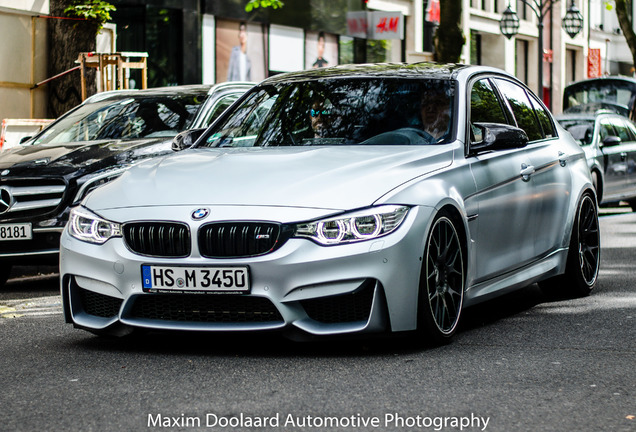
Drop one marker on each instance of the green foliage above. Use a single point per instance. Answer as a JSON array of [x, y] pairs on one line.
[[92, 10], [255, 4], [345, 53], [376, 51]]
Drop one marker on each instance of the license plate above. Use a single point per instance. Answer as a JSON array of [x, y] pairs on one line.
[[16, 231], [226, 280]]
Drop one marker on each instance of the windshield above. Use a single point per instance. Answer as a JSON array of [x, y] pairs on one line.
[[580, 129], [340, 112], [131, 118]]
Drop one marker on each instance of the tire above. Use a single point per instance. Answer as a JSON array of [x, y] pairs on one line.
[[584, 255], [441, 290], [5, 271]]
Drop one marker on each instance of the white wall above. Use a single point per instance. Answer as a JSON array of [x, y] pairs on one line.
[[34, 6], [208, 48], [23, 51], [286, 48]]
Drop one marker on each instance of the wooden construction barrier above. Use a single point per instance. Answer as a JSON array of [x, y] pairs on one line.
[[113, 69]]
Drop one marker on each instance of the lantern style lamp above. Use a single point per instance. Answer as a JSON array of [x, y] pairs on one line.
[[572, 21], [509, 24]]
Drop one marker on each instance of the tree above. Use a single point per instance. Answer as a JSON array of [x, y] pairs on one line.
[[449, 38], [68, 38], [624, 14], [255, 4]]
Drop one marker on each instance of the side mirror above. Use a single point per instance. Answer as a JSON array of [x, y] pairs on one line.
[[497, 136], [186, 138], [611, 141], [25, 139]]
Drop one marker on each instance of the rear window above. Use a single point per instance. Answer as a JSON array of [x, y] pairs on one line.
[[580, 129], [618, 95]]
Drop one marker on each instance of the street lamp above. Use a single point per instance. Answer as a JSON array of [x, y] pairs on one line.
[[509, 24], [572, 24]]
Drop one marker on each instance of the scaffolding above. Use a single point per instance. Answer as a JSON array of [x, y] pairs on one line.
[[113, 69]]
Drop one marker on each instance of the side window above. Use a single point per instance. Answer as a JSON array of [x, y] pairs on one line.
[[522, 109], [242, 128], [621, 129], [484, 107], [632, 130], [606, 129], [221, 105], [544, 118]]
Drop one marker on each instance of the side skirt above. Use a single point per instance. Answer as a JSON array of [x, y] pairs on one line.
[[549, 266]]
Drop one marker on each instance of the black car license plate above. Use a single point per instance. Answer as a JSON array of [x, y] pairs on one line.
[[16, 231]]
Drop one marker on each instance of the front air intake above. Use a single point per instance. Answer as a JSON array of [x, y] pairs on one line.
[[205, 308]]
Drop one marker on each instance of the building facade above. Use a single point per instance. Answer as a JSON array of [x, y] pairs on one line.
[[210, 41], [599, 49]]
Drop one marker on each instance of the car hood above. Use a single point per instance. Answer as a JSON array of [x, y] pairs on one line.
[[82, 157], [336, 178]]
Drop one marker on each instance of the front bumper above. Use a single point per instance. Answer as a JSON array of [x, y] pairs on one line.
[[364, 287], [44, 247]]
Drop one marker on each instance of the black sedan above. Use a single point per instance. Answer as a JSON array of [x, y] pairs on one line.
[[87, 147]]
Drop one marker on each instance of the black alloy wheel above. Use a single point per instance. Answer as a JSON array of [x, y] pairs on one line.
[[588, 241], [584, 255], [442, 281]]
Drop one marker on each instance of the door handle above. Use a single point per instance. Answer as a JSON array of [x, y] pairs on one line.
[[623, 157], [563, 160], [526, 172]]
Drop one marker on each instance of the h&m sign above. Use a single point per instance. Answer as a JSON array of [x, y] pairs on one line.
[[375, 25]]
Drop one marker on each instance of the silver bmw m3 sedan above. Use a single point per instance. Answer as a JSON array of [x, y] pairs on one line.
[[347, 200]]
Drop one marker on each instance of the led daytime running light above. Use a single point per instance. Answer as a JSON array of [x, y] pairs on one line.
[[90, 228], [331, 231], [357, 226]]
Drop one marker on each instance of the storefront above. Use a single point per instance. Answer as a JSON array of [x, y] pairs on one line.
[[194, 41]]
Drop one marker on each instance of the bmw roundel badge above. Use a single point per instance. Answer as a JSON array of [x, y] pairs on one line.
[[200, 213]]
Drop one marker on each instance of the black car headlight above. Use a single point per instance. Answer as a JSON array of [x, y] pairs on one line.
[[357, 226], [87, 226]]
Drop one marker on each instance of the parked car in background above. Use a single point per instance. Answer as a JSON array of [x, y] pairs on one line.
[[88, 147], [16, 131], [614, 93], [347, 200], [609, 142]]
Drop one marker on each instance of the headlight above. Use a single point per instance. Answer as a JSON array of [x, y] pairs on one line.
[[358, 226], [88, 227], [93, 181]]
